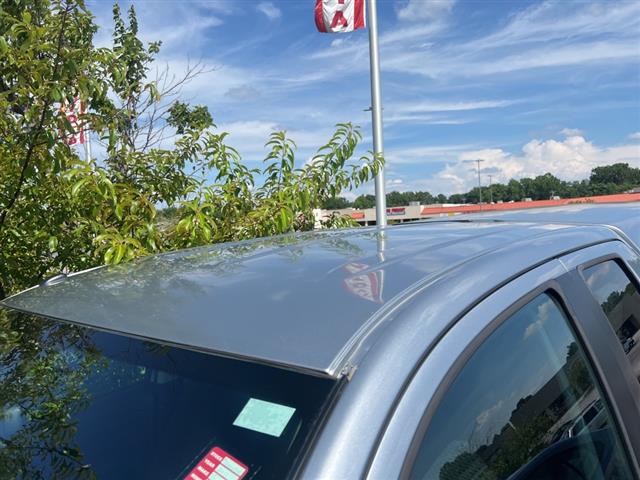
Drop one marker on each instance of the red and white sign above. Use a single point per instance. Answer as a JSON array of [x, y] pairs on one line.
[[218, 464], [336, 16], [396, 211], [366, 285], [74, 113]]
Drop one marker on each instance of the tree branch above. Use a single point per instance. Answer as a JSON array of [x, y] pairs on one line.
[[38, 130]]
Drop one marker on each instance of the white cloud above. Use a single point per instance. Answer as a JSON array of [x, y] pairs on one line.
[[400, 37], [430, 154], [243, 92], [598, 275], [435, 106], [270, 10], [471, 64], [185, 32], [225, 77], [570, 159], [422, 120], [250, 136], [548, 35], [485, 415], [583, 53], [552, 20], [420, 10], [635, 136], [224, 7], [571, 132], [543, 317], [428, 111], [190, 30]]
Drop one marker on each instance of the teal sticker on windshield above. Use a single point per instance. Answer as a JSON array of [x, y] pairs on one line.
[[264, 417]]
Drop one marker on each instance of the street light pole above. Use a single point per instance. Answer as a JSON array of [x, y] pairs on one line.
[[490, 189], [478, 161], [479, 184], [376, 111]]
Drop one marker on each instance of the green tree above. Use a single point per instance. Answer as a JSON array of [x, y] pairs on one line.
[[425, 198], [43, 384], [545, 186], [59, 212], [396, 199], [500, 192], [618, 173], [514, 189], [364, 201], [336, 203], [46, 58], [458, 198]]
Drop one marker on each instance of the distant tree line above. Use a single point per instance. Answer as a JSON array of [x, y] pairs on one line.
[[610, 179]]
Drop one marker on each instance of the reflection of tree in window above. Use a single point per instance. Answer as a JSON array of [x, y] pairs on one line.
[[526, 433], [522, 397], [41, 388], [616, 297], [620, 301]]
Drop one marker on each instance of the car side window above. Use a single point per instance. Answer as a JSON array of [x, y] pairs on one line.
[[525, 405], [620, 301]]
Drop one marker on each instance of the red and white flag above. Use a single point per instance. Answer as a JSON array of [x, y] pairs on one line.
[[337, 16], [74, 112], [367, 286]]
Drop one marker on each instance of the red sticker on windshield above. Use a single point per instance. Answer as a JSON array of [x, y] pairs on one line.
[[218, 465]]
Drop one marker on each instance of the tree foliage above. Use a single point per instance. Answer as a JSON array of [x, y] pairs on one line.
[[61, 212], [605, 180], [42, 391]]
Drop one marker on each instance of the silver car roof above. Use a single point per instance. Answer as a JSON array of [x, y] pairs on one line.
[[301, 301], [625, 217]]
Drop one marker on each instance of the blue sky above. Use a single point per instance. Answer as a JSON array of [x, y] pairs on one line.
[[528, 86]]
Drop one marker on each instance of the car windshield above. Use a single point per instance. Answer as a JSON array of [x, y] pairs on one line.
[[81, 403]]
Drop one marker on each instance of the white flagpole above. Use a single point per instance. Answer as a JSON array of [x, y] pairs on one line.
[[376, 109], [87, 137], [87, 146]]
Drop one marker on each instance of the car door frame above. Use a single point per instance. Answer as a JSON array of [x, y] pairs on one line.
[[591, 313], [400, 442]]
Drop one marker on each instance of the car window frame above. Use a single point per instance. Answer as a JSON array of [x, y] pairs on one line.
[[597, 325], [434, 377], [629, 261]]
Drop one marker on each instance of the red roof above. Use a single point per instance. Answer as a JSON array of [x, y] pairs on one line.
[[474, 208]]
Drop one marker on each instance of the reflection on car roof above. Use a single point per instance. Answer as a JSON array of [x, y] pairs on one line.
[[295, 300]]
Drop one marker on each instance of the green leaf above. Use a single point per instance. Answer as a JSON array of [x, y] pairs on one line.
[[53, 244], [77, 186], [56, 94], [120, 251], [108, 255]]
